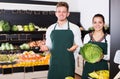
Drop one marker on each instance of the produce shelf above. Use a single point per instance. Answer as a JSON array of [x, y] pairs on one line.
[[7, 71], [40, 68], [29, 69], [18, 69], [23, 69]]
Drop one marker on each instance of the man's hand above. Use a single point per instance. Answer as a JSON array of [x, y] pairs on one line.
[[73, 48], [43, 48]]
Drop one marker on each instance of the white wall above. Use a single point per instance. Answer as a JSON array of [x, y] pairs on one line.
[[87, 8]]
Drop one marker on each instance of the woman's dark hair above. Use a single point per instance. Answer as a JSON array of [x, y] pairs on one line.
[[103, 19], [99, 15]]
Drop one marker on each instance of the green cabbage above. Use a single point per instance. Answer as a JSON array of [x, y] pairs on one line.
[[91, 52], [4, 26]]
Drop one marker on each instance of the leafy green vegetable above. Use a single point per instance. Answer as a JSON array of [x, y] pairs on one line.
[[1, 24], [91, 52], [4, 26]]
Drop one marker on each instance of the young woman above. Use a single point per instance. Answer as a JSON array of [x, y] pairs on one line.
[[99, 37], [62, 39]]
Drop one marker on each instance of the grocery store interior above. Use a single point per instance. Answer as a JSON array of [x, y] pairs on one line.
[[22, 45]]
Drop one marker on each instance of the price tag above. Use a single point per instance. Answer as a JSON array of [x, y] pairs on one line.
[[117, 57], [117, 76]]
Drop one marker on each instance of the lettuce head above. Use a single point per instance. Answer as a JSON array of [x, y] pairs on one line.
[[92, 53]]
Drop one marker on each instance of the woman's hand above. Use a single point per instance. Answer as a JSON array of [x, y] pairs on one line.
[[73, 48]]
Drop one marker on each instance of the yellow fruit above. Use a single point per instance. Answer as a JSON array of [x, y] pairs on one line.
[[101, 74], [93, 74], [4, 66], [10, 66], [69, 77]]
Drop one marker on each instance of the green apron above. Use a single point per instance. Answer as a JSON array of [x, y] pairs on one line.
[[62, 63], [101, 65]]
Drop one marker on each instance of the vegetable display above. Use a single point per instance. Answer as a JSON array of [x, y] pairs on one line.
[[7, 58], [92, 53], [7, 46], [4, 26]]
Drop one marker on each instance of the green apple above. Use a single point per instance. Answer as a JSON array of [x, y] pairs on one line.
[[26, 28], [31, 27], [69, 77], [14, 28]]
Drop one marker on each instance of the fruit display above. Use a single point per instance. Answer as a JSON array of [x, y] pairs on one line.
[[101, 74], [9, 58], [29, 58], [27, 27], [16, 51], [26, 34], [25, 59], [36, 43]]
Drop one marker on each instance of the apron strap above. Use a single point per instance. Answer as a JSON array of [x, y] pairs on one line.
[[68, 26], [55, 26], [91, 36], [105, 37]]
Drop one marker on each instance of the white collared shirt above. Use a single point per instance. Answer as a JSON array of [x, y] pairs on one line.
[[76, 32]]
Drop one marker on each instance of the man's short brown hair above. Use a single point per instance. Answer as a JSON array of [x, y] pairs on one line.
[[64, 4]]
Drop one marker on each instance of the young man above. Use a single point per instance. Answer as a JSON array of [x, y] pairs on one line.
[[63, 40]]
